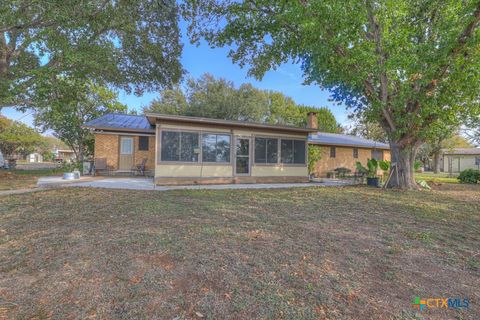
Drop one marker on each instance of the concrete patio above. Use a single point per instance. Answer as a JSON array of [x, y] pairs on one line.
[[140, 183]]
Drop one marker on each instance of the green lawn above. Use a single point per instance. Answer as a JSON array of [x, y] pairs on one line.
[[436, 177], [315, 253]]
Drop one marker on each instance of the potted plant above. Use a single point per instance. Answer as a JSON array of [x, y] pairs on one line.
[[385, 167], [372, 177]]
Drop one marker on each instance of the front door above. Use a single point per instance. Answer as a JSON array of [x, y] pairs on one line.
[[126, 153], [242, 157]]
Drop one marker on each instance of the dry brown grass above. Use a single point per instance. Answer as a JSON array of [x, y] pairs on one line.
[[11, 181], [23, 179], [316, 253]]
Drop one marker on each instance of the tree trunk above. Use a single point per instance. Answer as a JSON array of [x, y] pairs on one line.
[[80, 154], [403, 158], [2, 160], [436, 162]]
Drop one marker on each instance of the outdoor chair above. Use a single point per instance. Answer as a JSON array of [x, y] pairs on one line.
[[140, 168], [100, 164]]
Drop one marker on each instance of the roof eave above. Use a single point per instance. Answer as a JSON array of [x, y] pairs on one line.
[[152, 118], [118, 129], [348, 145]]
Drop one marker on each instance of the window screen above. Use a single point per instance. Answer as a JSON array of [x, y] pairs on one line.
[[287, 151], [179, 146], [215, 148], [293, 151], [266, 150], [298, 151]]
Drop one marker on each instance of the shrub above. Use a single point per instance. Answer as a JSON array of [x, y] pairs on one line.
[[71, 166], [384, 165], [370, 170], [342, 171], [314, 155], [360, 168], [372, 165], [469, 176], [417, 165]]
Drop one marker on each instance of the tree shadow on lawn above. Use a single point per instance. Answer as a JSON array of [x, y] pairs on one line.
[[350, 253]]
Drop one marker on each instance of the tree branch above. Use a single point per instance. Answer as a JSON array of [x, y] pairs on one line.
[[466, 34], [377, 38]]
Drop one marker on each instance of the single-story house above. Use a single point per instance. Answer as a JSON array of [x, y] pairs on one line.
[[34, 157], [459, 159], [193, 150], [64, 155], [343, 151]]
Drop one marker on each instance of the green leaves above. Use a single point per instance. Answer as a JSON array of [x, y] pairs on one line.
[[67, 105], [372, 165], [411, 66], [133, 45], [426, 51], [17, 138], [314, 155], [218, 98]]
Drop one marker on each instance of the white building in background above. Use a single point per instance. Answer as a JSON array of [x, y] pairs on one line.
[[459, 159], [35, 157], [64, 155], [2, 160]]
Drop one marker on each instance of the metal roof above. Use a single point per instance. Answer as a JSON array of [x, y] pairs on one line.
[[119, 122], [465, 151], [137, 123], [152, 117], [335, 139]]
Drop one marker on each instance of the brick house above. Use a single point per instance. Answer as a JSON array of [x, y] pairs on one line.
[[343, 151], [191, 150]]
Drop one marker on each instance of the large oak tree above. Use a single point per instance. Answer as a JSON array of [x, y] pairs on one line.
[[133, 45], [412, 66]]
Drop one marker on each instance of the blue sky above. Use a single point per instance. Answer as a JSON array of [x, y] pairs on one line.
[[198, 60]]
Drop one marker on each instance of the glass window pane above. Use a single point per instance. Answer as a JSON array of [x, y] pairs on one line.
[[287, 151], [260, 150], [299, 152], [170, 146], [126, 146], [223, 148], [272, 150], [143, 143], [333, 152], [377, 154], [189, 142], [208, 147], [242, 147]]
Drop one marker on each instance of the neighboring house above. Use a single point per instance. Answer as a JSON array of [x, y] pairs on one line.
[[64, 155], [191, 150], [459, 159], [2, 160], [34, 157], [343, 151]]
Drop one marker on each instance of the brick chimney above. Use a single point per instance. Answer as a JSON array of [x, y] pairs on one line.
[[312, 122]]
